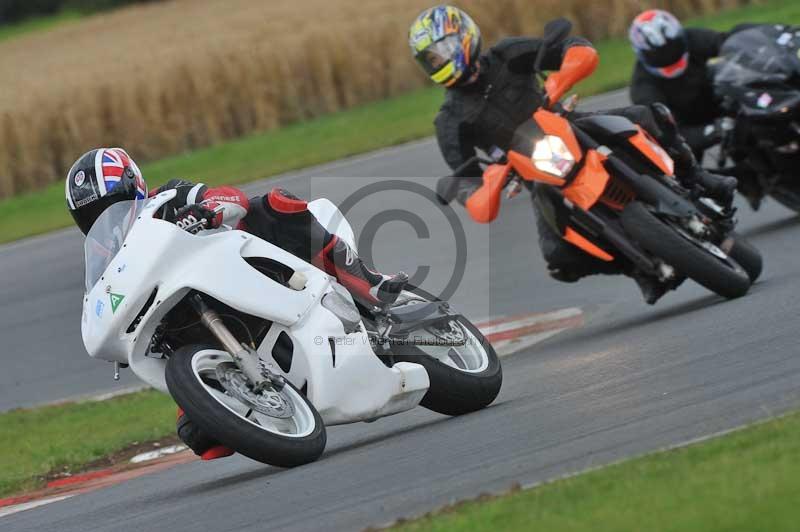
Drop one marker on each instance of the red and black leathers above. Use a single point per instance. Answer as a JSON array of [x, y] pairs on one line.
[[284, 220]]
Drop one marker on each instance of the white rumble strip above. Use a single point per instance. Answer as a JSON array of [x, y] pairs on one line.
[[158, 453], [512, 334], [32, 504]]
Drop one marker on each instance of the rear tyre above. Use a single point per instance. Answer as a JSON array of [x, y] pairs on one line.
[[461, 382], [747, 256], [722, 276], [194, 382]]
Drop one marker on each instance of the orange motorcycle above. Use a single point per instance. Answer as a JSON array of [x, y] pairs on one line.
[[614, 194]]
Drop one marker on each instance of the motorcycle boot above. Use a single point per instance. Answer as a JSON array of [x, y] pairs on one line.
[[198, 441], [368, 286], [720, 188], [652, 289]]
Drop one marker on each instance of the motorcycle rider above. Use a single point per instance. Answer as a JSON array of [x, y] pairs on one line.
[[671, 69], [105, 176], [489, 95]]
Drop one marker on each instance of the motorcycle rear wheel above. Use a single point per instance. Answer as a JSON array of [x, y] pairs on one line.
[[463, 380], [722, 276], [292, 435]]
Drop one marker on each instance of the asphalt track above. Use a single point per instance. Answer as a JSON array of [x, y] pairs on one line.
[[634, 379]]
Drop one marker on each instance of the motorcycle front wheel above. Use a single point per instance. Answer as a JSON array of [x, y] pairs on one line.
[[699, 260], [276, 427], [746, 255]]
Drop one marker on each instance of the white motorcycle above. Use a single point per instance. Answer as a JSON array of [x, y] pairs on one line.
[[263, 350]]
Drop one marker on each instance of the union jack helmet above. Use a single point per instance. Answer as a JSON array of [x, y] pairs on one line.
[[659, 40], [99, 179], [446, 43]]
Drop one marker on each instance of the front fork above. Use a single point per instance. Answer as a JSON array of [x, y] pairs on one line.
[[244, 356]]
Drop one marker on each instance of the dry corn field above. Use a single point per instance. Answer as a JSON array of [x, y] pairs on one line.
[[164, 78]]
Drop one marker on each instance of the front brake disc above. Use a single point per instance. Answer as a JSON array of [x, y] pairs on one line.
[[268, 402]]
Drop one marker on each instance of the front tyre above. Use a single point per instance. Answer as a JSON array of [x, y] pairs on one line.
[[745, 254], [686, 254], [463, 379], [277, 428]]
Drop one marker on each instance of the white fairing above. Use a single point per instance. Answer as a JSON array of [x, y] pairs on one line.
[[345, 381]]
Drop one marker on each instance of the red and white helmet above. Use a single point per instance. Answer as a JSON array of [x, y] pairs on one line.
[[660, 43]]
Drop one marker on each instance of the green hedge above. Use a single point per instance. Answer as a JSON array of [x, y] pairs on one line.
[[15, 10]]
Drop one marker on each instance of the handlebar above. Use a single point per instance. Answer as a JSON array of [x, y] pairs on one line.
[[200, 224], [449, 193]]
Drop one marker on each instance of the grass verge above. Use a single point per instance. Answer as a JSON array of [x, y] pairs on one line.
[[747, 480], [328, 138], [10, 31], [331, 137], [63, 438]]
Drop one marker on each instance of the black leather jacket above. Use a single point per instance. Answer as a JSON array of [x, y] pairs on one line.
[[485, 113], [690, 97]]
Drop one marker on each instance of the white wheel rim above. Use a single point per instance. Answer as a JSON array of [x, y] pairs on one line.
[[300, 424], [469, 358]]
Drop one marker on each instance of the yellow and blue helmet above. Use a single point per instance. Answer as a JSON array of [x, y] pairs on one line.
[[446, 42]]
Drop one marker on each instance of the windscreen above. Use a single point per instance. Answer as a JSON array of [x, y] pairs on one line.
[[738, 70], [759, 56], [106, 237]]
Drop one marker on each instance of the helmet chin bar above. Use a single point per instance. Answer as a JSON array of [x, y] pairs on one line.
[[672, 71]]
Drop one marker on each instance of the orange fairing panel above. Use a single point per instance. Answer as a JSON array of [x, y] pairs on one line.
[[524, 167], [588, 186], [579, 62], [651, 149], [553, 124], [484, 204], [575, 238]]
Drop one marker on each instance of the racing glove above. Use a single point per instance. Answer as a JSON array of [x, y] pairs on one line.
[[189, 216]]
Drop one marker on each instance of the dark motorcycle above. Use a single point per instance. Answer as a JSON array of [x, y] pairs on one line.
[[757, 79]]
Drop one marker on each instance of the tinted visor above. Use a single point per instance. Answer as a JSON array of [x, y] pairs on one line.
[[439, 54]]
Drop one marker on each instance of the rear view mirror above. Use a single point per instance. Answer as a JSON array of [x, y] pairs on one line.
[[556, 31]]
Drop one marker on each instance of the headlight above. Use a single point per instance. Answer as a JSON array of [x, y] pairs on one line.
[[552, 156]]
